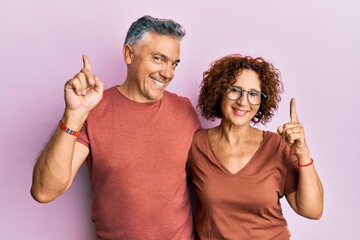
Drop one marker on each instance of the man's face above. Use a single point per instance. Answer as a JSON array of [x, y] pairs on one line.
[[151, 66]]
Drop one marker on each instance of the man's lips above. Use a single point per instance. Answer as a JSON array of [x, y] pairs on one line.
[[157, 82]]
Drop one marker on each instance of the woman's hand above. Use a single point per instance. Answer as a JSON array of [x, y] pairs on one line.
[[293, 133]]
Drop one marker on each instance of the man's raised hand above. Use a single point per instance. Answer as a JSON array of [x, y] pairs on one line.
[[83, 92]]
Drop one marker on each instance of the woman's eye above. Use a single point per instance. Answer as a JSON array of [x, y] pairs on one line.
[[253, 93]]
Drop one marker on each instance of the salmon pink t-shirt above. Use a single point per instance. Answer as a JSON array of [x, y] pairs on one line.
[[137, 160]]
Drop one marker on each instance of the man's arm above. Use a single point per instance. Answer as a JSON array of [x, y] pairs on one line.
[[63, 155], [57, 166]]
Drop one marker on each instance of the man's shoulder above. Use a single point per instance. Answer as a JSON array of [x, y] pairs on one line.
[[173, 97], [109, 95], [110, 91], [182, 107]]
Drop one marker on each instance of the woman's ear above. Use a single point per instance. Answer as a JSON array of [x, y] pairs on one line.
[[128, 53]]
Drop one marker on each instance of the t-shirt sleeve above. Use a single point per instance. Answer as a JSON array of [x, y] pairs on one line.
[[83, 136], [194, 116], [292, 171]]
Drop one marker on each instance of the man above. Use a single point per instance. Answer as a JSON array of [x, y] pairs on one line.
[[135, 137]]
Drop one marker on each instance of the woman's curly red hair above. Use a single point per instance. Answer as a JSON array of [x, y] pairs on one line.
[[222, 74]]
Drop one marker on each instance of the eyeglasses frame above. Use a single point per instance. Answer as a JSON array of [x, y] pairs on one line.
[[241, 91]]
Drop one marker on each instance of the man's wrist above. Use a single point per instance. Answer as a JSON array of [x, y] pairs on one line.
[[74, 120]]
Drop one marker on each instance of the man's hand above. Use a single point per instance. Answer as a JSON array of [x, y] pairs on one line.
[[83, 92]]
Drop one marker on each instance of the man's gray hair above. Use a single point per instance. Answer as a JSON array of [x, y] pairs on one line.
[[146, 24]]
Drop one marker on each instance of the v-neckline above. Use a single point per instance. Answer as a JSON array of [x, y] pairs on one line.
[[224, 169]]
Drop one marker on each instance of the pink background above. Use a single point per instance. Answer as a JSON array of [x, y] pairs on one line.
[[315, 44]]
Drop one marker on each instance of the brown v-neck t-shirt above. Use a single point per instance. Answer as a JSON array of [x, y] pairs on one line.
[[244, 205]]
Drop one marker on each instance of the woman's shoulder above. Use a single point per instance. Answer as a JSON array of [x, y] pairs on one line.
[[275, 142], [200, 134], [273, 136]]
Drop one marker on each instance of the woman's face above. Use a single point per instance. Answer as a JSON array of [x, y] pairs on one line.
[[240, 112]]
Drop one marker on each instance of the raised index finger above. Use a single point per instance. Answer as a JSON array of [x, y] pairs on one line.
[[293, 115], [86, 62]]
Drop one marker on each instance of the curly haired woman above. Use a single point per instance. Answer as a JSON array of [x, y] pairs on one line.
[[239, 171]]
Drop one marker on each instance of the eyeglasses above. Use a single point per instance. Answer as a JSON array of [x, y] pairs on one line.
[[253, 96]]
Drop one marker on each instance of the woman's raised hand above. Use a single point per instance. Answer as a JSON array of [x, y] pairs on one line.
[[293, 132]]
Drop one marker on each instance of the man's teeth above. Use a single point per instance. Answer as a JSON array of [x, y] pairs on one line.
[[158, 82]]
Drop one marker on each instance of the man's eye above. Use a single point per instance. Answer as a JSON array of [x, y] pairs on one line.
[[175, 64], [158, 59]]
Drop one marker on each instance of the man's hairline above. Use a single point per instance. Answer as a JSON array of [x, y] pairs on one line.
[[145, 37]]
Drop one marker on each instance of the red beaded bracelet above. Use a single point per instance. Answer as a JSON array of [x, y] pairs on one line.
[[305, 165], [67, 130]]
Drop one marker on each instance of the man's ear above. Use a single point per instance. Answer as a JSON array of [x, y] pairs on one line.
[[128, 53]]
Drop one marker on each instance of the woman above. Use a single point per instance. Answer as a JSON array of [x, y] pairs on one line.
[[239, 171]]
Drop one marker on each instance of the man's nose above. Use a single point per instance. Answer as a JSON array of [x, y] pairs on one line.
[[167, 71]]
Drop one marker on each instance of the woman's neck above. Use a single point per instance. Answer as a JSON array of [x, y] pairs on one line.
[[232, 134]]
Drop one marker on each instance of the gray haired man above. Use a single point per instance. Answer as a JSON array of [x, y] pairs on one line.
[[134, 137]]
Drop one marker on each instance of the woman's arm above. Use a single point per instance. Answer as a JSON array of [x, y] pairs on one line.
[[308, 199]]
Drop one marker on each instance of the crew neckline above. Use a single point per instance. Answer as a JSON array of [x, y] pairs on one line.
[[135, 102]]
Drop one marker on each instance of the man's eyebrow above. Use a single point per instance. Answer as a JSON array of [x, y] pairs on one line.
[[166, 58], [175, 61]]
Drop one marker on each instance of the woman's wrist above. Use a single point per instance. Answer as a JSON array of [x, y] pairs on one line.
[[306, 164]]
